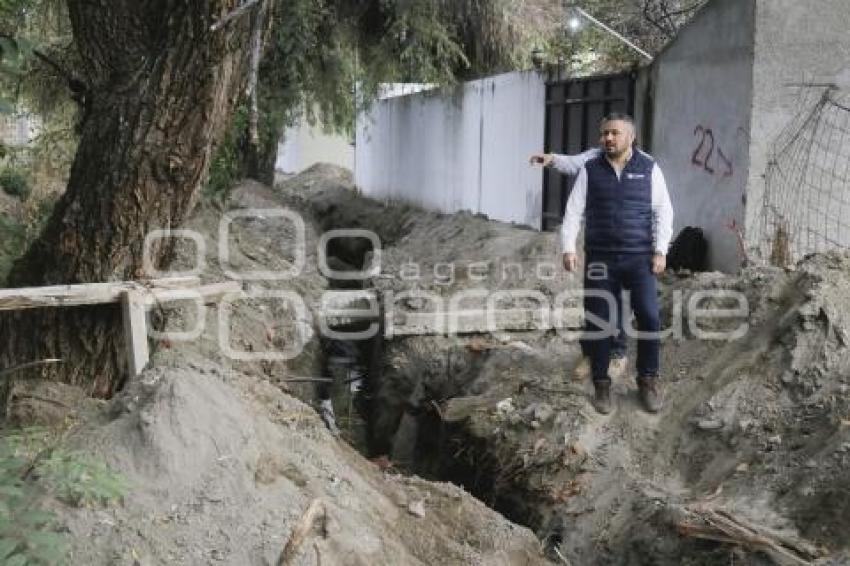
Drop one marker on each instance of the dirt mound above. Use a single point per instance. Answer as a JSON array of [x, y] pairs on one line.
[[223, 465], [257, 241], [423, 249], [223, 461]]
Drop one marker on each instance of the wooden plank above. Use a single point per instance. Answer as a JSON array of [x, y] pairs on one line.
[[340, 308], [473, 321], [301, 530], [210, 294], [348, 308], [479, 321], [135, 331], [86, 293]]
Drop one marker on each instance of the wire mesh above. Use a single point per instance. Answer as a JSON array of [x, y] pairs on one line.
[[806, 205]]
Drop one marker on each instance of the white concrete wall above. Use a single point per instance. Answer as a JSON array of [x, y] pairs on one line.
[[305, 145], [800, 41], [461, 150], [702, 98]]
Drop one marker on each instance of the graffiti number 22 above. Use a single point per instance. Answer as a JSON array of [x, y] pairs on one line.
[[707, 134], [707, 145]]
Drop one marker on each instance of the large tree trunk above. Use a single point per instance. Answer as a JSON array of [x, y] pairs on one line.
[[162, 87]]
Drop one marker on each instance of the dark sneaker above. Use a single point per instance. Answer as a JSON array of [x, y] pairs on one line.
[[649, 391], [602, 397]]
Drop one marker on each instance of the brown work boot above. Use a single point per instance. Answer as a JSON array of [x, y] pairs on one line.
[[602, 397], [649, 391]]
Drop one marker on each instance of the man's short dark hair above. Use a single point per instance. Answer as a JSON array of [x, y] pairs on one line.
[[611, 116]]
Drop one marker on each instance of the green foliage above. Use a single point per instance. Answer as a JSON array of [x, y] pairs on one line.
[[40, 214], [14, 54], [27, 27], [80, 480], [326, 60], [32, 32], [226, 165], [14, 183], [31, 468], [321, 49], [16, 234], [13, 237], [50, 154], [27, 533]]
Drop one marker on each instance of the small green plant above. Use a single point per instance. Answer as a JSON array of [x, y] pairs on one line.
[[81, 480], [27, 534], [14, 183], [33, 468]]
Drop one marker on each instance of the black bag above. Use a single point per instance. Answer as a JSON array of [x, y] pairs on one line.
[[689, 250]]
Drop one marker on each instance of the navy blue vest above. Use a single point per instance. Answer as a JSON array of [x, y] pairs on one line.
[[618, 212]]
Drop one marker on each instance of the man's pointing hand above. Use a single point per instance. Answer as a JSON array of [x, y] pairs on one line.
[[544, 159]]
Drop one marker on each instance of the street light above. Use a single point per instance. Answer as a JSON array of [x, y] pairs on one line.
[[574, 23], [537, 57]]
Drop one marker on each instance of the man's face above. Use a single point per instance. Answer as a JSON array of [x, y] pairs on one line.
[[616, 137]]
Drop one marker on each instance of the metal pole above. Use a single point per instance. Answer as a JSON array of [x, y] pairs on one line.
[[612, 32]]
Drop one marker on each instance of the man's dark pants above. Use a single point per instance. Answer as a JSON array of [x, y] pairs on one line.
[[618, 341], [609, 273]]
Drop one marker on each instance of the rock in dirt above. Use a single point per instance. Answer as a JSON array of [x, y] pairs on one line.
[[417, 508], [709, 424]]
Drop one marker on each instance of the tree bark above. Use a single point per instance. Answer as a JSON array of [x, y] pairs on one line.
[[162, 86]]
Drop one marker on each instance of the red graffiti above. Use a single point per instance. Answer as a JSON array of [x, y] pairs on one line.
[[707, 146], [726, 162]]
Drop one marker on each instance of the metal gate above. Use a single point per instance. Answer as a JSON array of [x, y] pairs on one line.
[[573, 110]]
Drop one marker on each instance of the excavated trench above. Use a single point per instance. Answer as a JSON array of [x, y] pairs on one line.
[[406, 429], [404, 425], [410, 433], [349, 363]]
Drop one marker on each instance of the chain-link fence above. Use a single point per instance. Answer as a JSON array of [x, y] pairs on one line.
[[807, 191]]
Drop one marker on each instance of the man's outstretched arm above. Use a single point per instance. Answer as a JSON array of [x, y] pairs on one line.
[[566, 164]]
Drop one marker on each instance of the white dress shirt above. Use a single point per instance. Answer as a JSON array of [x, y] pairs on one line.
[[572, 164]]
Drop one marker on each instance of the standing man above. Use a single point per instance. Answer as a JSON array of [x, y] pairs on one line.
[[628, 216], [571, 165]]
